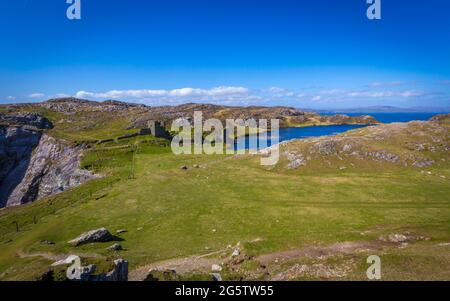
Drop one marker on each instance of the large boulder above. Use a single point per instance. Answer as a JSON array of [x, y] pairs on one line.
[[99, 235]]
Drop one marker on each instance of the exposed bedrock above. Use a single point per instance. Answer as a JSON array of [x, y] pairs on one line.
[[34, 165]]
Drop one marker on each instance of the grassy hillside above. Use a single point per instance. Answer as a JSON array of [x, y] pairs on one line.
[[82, 121], [171, 213]]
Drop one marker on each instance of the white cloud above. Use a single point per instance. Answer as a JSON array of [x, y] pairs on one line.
[[238, 95], [183, 94], [228, 90], [388, 84], [332, 92], [278, 92], [36, 95], [383, 94], [61, 95], [410, 93], [10, 98]]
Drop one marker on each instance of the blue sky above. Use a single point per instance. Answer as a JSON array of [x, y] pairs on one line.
[[314, 54]]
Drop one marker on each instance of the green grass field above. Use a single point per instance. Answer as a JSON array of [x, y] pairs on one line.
[[173, 213]]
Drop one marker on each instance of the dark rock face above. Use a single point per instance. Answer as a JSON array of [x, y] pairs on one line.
[[16, 147]]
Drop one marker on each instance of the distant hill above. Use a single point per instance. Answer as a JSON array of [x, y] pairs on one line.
[[387, 109]]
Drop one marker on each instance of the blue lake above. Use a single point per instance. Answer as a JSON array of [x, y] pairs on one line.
[[287, 134]]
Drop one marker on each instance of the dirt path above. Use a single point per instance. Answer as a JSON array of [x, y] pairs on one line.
[[203, 263], [47, 256], [318, 251], [52, 257], [181, 265]]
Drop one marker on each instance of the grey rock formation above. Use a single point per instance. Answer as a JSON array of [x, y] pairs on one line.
[[119, 273], [424, 162], [34, 165], [384, 156], [99, 235], [53, 168], [325, 147]]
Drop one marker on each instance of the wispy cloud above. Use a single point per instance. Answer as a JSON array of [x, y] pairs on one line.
[[10, 98], [36, 95], [383, 94], [61, 95], [279, 92], [387, 84]]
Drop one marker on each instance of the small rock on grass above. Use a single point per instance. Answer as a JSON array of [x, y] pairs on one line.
[[216, 268], [47, 242], [397, 238], [115, 247]]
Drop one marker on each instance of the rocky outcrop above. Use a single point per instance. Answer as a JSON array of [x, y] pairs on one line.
[[31, 120], [414, 144], [440, 118], [34, 165], [53, 168], [72, 105], [118, 273]]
